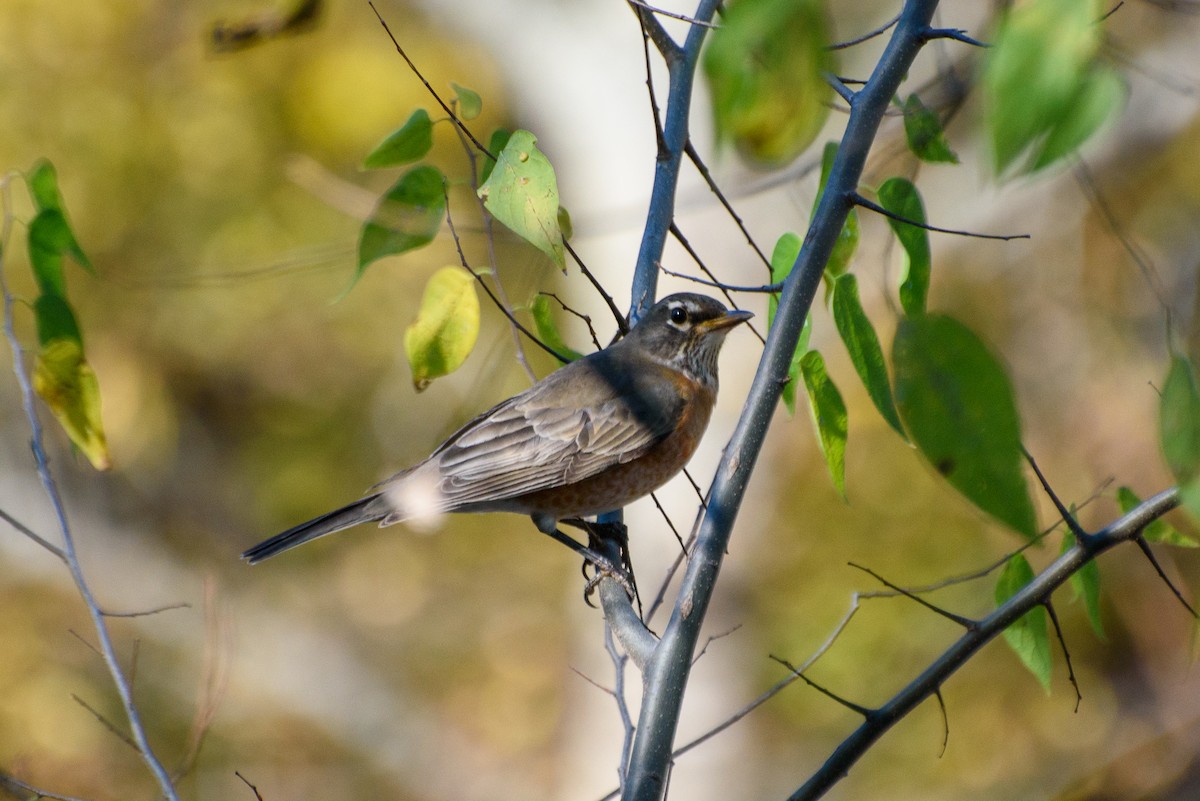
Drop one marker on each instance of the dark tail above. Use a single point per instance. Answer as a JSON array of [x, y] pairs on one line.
[[364, 511]]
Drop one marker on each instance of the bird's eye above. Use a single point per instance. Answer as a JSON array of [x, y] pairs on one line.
[[679, 315]]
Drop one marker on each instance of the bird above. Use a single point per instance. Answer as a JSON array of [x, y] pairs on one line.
[[590, 437]]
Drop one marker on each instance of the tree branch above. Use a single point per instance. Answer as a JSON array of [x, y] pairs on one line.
[[667, 672], [1035, 593]]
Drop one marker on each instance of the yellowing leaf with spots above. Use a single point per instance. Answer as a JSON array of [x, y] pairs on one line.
[[447, 325], [68, 385]]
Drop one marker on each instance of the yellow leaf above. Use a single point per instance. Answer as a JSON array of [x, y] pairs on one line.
[[447, 325], [67, 384]]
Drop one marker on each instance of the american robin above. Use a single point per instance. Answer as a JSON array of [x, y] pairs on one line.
[[588, 438]]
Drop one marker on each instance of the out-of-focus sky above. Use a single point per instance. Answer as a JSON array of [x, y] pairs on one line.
[[219, 196]]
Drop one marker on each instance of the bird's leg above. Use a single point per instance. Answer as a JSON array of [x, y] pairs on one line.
[[599, 534]]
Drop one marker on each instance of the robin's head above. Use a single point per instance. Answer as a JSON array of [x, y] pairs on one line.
[[686, 331]]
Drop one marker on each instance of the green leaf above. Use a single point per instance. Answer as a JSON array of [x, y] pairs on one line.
[[766, 65], [543, 320], [67, 385], [783, 258], [42, 181], [496, 144], [55, 320], [447, 325], [522, 193], [408, 217], [1101, 93], [957, 404], [468, 101], [863, 345], [900, 197], [829, 414], [1029, 635], [1085, 583], [1159, 530], [405, 145], [1179, 420], [1045, 85], [847, 241], [924, 133], [49, 237]]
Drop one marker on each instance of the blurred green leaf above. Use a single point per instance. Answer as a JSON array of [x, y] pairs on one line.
[[957, 403], [447, 325], [547, 329], [900, 197], [1101, 93], [923, 130], [564, 223], [522, 193], [55, 320], [766, 67], [1179, 420], [829, 414], [1046, 88], [1159, 530], [783, 258], [863, 345], [470, 104], [49, 237], [496, 144], [408, 217], [67, 384], [406, 144], [1028, 635], [1085, 583], [42, 180], [847, 241], [1179, 430]]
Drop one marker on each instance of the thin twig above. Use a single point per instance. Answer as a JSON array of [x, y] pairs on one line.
[[462, 260], [853, 707], [246, 781], [587, 320], [12, 783], [107, 649], [106, 723], [764, 289], [622, 323], [671, 14], [882, 29], [458, 123], [147, 612], [682, 240], [965, 622], [1062, 643], [875, 207], [702, 168], [489, 234], [619, 661], [31, 534]]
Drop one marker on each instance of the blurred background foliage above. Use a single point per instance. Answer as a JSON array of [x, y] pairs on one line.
[[218, 195]]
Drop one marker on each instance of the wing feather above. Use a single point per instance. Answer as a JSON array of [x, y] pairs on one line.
[[574, 425]]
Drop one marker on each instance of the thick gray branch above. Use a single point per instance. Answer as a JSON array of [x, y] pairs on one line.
[[667, 672]]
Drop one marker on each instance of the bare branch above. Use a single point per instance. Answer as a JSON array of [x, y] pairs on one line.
[[882, 29], [965, 622], [1035, 593], [13, 784], [50, 487], [875, 207], [30, 533]]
